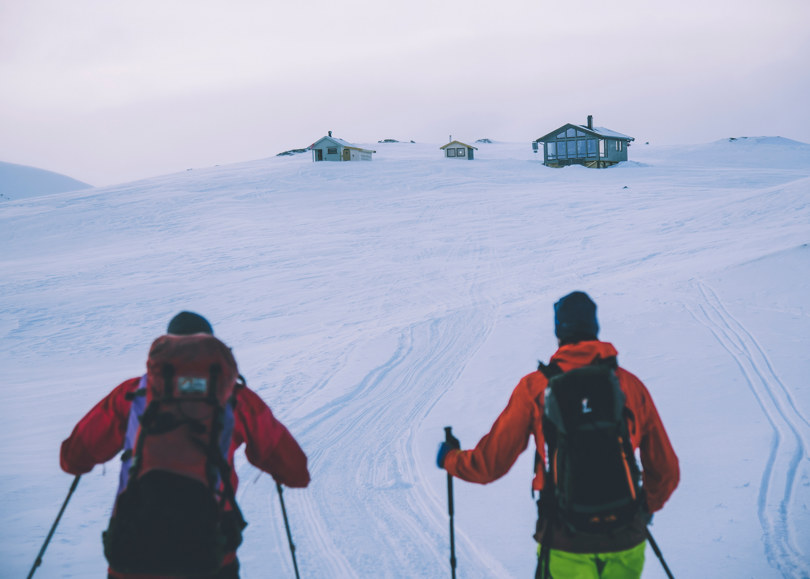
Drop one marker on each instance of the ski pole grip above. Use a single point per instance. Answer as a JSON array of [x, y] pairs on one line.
[[448, 433]]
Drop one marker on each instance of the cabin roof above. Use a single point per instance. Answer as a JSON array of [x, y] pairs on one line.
[[341, 142], [458, 143], [595, 131]]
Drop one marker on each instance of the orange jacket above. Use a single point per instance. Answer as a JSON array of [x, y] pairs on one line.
[[497, 451]]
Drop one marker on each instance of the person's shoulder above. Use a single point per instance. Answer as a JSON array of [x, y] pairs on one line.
[[242, 390], [638, 397], [245, 396], [119, 399], [131, 383], [127, 387], [533, 383], [630, 379]]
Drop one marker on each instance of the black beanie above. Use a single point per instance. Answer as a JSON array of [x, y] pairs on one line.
[[575, 318], [186, 323]]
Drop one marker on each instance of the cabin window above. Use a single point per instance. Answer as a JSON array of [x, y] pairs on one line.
[[581, 134], [601, 148], [551, 150], [571, 133], [572, 148], [619, 145], [331, 151], [592, 147], [561, 135], [451, 152], [582, 148], [461, 152]]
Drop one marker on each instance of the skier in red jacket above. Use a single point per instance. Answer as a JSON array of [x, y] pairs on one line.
[[100, 436], [619, 554]]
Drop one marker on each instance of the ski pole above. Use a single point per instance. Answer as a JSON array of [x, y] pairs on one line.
[[658, 553], [287, 526], [448, 437], [38, 560]]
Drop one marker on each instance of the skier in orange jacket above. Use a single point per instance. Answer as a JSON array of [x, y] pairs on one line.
[[618, 554]]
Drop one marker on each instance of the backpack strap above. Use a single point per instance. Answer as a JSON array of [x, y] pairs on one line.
[[549, 370], [130, 396], [228, 492], [168, 381], [136, 409], [544, 558]]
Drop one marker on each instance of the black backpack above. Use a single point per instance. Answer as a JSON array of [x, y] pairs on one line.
[[592, 481]]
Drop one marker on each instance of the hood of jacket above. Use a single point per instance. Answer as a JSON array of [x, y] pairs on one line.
[[572, 356]]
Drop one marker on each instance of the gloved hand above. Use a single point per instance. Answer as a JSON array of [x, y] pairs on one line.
[[451, 443]]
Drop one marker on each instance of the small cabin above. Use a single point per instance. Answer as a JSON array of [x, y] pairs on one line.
[[458, 150], [587, 145], [331, 148]]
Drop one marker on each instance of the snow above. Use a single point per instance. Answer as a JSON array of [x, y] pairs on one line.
[[372, 304], [20, 181]]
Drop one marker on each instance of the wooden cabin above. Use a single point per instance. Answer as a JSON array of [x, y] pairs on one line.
[[458, 150], [331, 148], [587, 145]]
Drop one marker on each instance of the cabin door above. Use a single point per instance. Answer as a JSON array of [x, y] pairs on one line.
[[319, 154], [347, 155]]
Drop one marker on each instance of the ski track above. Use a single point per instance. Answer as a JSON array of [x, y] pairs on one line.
[[790, 432], [382, 492], [366, 480]]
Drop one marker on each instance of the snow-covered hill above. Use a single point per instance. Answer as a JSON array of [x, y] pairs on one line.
[[20, 182], [372, 304]]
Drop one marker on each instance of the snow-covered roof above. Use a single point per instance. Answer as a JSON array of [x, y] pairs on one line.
[[595, 131], [608, 133], [340, 142], [458, 143]]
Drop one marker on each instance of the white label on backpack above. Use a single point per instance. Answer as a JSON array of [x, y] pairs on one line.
[[192, 385], [585, 408]]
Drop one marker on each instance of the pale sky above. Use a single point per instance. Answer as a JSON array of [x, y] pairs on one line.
[[107, 91]]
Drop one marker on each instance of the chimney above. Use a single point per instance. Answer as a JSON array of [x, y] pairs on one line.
[[590, 122], [330, 132]]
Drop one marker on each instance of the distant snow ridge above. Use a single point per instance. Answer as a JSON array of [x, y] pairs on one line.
[[20, 182], [767, 141], [732, 152]]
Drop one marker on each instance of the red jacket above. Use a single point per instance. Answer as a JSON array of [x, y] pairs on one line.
[[497, 451], [99, 437]]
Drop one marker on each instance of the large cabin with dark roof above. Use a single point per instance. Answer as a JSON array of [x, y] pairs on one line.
[[587, 145]]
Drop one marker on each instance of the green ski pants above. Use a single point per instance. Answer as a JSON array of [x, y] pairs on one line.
[[618, 565]]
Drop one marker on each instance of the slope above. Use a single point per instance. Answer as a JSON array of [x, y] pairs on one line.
[[371, 304]]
